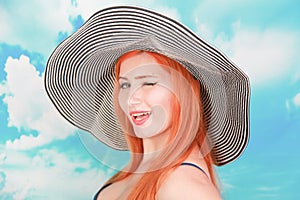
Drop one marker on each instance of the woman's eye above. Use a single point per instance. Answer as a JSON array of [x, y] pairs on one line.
[[150, 83], [124, 85]]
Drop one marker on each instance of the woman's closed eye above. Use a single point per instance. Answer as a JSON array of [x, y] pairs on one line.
[[149, 83]]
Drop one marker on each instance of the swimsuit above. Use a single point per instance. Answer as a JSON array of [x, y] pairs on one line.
[[193, 165], [184, 163], [97, 194]]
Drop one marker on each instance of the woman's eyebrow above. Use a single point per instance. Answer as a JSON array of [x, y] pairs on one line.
[[124, 78], [145, 76], [140, 77]]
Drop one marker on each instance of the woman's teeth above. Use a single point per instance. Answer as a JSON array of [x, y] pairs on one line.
[[140, 115]]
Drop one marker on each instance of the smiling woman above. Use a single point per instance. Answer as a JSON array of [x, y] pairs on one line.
[[153, 110], [147, 94], [142, 82]]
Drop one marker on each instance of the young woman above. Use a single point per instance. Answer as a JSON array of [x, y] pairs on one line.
[[150, 86], [142, 82]]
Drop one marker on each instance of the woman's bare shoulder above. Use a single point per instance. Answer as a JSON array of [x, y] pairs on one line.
[[187, 182]]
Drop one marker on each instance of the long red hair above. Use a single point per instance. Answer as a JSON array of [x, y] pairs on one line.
[[180, 145]]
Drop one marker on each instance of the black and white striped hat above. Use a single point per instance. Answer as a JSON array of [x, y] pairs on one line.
[[79, 76]]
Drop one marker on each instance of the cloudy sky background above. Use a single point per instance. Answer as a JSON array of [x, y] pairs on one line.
[[44, 157]]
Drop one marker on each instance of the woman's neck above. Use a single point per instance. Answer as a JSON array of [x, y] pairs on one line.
[[156, 143]]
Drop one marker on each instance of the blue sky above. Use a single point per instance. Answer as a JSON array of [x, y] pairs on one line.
[[44, 157]]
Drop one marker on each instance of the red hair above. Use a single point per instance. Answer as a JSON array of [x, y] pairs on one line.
[[179, 144]]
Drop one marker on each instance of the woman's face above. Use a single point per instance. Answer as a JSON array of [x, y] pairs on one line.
[[145, 95]]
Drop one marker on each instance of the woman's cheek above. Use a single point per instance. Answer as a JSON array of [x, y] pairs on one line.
[[158, 95]]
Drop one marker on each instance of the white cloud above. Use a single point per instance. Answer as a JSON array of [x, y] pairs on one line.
[[88, 7], [264, 55], [34, 25], [203, 30], [269, 189], [2, 158], [49, 175], [260, 45], [28, 106], [292, 106], [296, 100]]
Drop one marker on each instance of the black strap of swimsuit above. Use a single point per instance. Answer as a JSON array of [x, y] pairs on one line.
[[184, 163], [97, 194], [193, 165]]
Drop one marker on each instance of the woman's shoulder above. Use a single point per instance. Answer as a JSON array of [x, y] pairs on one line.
[[187, 182]]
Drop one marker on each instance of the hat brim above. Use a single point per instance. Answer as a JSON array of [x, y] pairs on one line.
[[79, 76]]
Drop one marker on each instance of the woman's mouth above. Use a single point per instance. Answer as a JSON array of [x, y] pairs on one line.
[[139, 117]]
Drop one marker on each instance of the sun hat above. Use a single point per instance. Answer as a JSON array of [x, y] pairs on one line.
[[80, 79]]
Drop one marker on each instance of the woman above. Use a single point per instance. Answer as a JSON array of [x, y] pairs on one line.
[[145, 95], [143, 82]]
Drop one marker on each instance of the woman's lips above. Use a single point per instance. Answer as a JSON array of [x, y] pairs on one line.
[[139, 117]]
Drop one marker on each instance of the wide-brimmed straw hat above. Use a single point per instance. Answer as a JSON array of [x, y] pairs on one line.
[[80, 78]]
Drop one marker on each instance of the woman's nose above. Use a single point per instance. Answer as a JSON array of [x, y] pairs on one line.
[[135, 97]]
